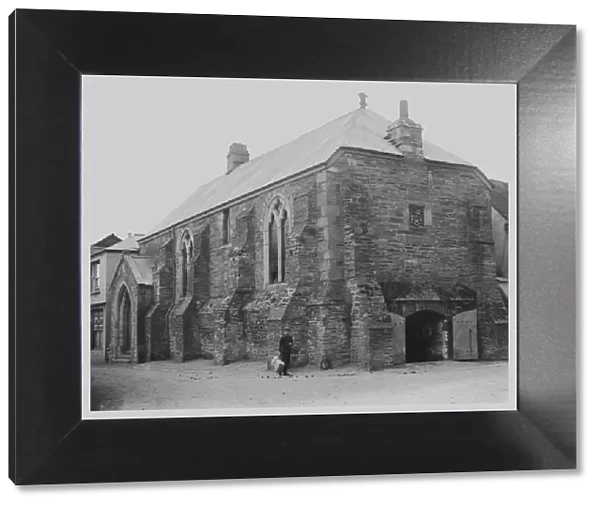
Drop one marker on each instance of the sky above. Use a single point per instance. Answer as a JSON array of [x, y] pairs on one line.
[[149, 142]]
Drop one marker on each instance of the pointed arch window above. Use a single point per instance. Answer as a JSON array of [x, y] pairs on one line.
[[275, 241], [187, 251], [282, 246], [273, 251]]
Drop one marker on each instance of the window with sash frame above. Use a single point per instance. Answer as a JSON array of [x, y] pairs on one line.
[[95, 277]]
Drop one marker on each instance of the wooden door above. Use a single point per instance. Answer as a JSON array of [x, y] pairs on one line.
[[464, 333], [398, 339]]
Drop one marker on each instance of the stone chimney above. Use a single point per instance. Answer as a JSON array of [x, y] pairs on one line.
[[406, 134], [238, 154]]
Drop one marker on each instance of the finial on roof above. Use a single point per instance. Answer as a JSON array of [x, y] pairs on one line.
[[363, 99]]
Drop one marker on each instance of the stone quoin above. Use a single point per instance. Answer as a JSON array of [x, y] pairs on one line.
[[372, 244]]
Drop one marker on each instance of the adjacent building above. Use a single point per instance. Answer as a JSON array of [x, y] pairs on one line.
[[499, 196], [104, 258], [374, 246]]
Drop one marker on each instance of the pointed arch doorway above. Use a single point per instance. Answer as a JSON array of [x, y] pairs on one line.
[[124, 323]]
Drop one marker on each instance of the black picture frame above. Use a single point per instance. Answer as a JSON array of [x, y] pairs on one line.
[[51, 50]]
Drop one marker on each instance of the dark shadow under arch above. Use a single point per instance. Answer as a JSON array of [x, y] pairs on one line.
[[428, 337]]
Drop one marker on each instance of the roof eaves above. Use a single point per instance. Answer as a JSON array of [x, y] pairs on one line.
[[353, 149], [112, 237], [451, 165], [123, 249]]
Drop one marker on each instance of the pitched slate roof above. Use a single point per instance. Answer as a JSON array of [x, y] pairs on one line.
[[141, 268], [129, 244], [361, 128], [499, 195], [105, 242]]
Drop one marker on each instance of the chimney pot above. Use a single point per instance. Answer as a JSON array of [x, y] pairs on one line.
[[403, 109], [238, 155]]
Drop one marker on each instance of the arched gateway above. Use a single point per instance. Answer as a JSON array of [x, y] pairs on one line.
[[428, 335]]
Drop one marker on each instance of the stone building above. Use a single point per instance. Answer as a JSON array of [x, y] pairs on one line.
[[499, 196], [372, 244]]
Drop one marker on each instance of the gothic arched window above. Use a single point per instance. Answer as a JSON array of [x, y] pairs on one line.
[[275, 241], [282, 245], [187, 250], [273, 251]]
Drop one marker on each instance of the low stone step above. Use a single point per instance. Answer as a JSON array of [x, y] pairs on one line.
[[123, 359]]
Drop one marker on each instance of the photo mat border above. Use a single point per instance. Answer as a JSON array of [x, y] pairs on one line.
[[50, 50]]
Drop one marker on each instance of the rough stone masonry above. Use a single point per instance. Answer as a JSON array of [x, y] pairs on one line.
[[374, 246]]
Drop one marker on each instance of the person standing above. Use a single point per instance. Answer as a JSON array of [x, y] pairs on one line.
[[285, 349]]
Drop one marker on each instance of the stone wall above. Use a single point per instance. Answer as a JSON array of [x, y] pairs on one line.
[[500, 235], [144, 302], [156, 319], [181, 334], [230, 313], [499, 349], [350, 253], [329, 309], [453, 248]]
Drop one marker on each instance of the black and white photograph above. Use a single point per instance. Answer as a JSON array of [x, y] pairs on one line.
[[260, 247], [268, 247]]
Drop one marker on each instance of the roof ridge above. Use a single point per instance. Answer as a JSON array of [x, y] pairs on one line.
[[282, 146]]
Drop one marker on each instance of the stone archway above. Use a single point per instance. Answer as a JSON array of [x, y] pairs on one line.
[[428, 337], [124, 330]]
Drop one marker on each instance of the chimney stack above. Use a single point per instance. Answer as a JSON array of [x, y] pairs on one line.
[[238, 155], [406, 134], [404, 109]]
